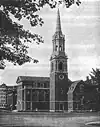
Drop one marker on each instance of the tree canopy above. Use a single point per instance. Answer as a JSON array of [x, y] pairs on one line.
[[95, 76], [13, 37]]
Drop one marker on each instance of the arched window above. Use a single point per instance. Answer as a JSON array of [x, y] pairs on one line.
[[60, 66], [28, 95], [56, 48], [51, 66], [60, 48], [56, 65]]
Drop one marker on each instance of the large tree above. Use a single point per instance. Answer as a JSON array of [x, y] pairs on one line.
[[95, 76], [14, 38]]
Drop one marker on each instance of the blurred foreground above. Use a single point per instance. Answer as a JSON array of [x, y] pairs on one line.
[[44, 119]]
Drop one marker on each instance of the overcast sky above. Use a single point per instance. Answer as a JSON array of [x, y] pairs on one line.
[[81, 27]]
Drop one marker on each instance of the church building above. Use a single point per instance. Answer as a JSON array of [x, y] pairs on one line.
[[47, 93], [55, 93]]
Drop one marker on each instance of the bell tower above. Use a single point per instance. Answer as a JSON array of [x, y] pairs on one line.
[[58, 71]]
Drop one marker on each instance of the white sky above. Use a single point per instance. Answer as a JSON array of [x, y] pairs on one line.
[[81, 27]]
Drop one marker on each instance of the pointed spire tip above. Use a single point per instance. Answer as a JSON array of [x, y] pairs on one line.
[[58, 24]]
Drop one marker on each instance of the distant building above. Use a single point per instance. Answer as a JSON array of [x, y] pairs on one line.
[[3, 96], [8, 97], [11, 97]]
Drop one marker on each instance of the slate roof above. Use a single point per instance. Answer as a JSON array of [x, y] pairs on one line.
[[73, 86], [31, 78]]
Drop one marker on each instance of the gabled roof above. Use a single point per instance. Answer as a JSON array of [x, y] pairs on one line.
[[73, 86], [30, 78]]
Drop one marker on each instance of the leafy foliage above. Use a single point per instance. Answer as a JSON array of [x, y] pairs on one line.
[[13, 37], [95, 76]]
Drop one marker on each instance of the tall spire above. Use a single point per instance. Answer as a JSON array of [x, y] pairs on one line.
[[58, 23]]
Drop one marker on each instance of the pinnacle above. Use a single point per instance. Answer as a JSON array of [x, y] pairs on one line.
[[58, 24]]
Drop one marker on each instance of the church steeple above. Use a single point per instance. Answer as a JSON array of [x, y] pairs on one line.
[[58, 23], [58, 40], [58, 70]]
